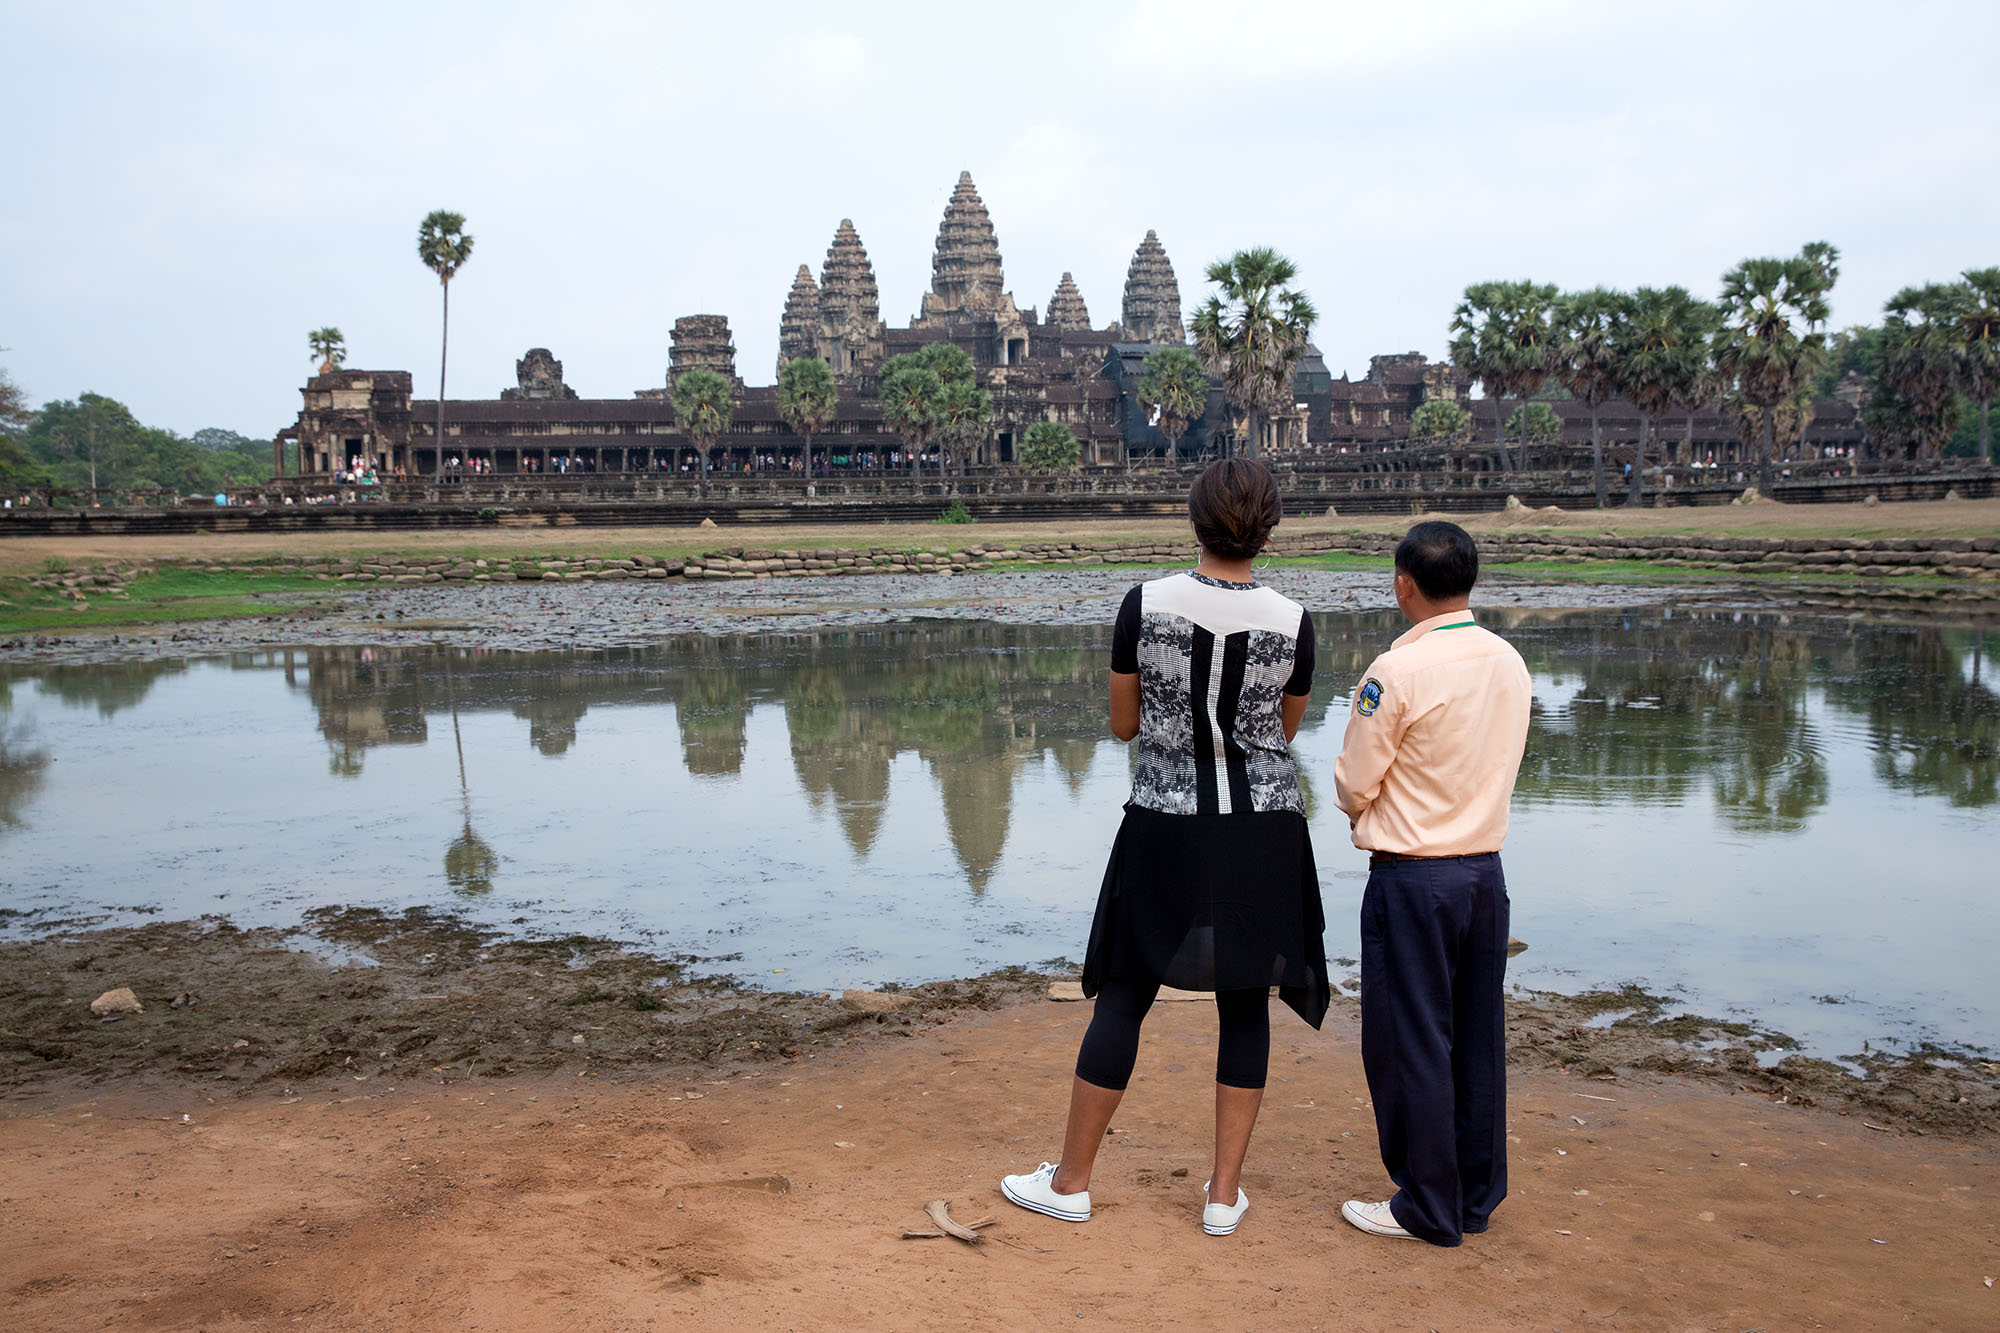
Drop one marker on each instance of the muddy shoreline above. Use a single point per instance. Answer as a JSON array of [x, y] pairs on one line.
[[359, 997], [593, 616]]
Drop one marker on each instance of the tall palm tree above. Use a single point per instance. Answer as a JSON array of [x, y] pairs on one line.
[[328, 347], [703, 404], [1583, 325], [444, 247], [1173, 384], [1252, 332], [1773, 338], [1979, 349], [1920, 360], [1660, 349], [1502, 337], [807, 399], [910, 405], [963, 411]]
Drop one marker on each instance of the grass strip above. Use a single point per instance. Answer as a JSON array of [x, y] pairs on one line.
[[167, 597]]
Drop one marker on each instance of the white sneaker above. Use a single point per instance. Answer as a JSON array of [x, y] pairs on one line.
[[1036, 1191], [1374, 1218], [1219, 1219]]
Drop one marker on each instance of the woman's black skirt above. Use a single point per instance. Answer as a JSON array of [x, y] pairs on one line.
[[1212, 902]]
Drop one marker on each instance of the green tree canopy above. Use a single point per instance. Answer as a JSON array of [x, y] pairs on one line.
[[1502, 337], [1535, 421], [920, 402], [1440, 419], [911, 403], [1772, 340], [964, 409], [1661, 349], [703, 402], [948, 361], [85, 440], [328, 346], [807, 398], [1584, 327], [15, 463], [1173, 384], [1049, 446], [1251, 332], [96, 441], [1916, 406], [1979, 349]]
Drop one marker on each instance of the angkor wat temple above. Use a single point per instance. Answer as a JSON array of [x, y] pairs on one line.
[[1038, 367]]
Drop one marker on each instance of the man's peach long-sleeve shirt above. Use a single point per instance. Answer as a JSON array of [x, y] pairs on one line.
[[1435, 735]]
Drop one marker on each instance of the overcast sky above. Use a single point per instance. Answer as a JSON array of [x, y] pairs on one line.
[[195, 186]]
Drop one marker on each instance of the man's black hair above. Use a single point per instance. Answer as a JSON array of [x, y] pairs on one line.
[[1440, 558]]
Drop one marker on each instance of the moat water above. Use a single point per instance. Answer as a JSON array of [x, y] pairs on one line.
[[1785, 819]]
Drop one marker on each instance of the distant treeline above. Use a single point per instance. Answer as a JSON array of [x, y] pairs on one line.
[[94, 441]]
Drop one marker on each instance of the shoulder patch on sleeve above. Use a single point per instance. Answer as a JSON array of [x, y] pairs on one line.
[[1369, 697]]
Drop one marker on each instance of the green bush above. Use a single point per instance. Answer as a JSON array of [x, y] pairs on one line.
[[955, 512], [1440, 417], [1049, 446]]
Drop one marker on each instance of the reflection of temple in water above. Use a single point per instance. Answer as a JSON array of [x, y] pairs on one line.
[[1635, 713], [975, 702]]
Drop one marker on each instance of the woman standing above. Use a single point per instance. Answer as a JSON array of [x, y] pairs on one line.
[[1211, 884]]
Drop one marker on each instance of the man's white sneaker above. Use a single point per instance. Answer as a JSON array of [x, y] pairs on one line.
[[1374, 1218], [1037, 1191], [1219, 1219]]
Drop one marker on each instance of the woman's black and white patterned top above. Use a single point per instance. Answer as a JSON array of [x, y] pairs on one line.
[[1212, 660]]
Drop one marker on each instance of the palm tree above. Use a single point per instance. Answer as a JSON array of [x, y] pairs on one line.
[[1583, 325], [807, 399], [703, 404], [1920, 363], [444, 247], [328, 348], [1049, 446], [1502, 338], [1774, 313], [910, 403], [1174, 385], [1660, 349], [1251, 333], [1979, 349], [963, 411]]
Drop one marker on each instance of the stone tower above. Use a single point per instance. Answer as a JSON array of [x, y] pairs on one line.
[[850, 307], [966, 278], [702, 341], [798, 331], [1066, 307], [538, 375], [1152, 296]]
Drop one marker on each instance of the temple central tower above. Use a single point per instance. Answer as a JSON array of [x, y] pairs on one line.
[[966, 277]]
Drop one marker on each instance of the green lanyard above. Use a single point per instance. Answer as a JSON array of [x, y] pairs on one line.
[[1463, 624]]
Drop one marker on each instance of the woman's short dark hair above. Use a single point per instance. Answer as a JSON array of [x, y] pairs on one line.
[[1440, 558], [1234, 505]]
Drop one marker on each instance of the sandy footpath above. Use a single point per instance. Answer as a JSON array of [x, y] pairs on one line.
[[774, 1197]]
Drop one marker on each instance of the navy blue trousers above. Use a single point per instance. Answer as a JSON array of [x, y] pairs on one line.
[[1433, 1038]]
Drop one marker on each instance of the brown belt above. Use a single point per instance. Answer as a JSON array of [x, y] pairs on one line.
[[1387, 858]]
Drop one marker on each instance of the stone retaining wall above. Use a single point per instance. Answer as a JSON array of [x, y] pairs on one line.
[[1971, 561]]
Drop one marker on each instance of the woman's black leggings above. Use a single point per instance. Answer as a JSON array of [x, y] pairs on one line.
[[1111, 1045]]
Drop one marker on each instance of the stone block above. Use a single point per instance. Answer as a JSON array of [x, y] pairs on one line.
[[119, 1001]]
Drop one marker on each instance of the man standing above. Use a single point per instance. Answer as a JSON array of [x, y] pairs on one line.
[[1434, 740]]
